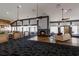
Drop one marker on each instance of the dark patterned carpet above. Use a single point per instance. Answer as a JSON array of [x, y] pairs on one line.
[[25, 47]]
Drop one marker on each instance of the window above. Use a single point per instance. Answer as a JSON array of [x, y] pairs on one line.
[[25, 22], [62, 30], [54, 29], [74, 30], [19, 28], [33, 28]]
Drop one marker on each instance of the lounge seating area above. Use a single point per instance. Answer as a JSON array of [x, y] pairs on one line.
[[40, 30]]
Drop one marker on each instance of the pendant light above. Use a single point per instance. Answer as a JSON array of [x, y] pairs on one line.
[[64, 12], [18, 7], [37, 11]]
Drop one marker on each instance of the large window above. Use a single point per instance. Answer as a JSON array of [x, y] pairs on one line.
[[62, 29], [19, 28], [33, 28], [5, 28], [25, 22], [26, 28], [54, 29], [74, 30], [13, 28]]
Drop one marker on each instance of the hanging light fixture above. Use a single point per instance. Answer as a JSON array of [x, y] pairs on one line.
[[37, 11], [65, 11], [18, 7]]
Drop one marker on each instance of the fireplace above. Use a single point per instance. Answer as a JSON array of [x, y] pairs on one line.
[[43, 32]]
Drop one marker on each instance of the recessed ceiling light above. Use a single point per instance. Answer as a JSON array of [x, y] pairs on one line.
[[19, 6]]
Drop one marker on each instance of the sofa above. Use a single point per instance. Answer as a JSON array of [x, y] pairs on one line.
[[4, 38], [17, 35], [63, 37]]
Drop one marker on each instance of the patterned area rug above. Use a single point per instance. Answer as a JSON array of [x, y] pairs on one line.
[[25, 47]]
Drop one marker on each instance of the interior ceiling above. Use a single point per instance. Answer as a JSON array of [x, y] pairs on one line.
[[9, 10]]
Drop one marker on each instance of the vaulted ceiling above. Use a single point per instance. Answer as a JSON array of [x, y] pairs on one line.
[[53, 10]]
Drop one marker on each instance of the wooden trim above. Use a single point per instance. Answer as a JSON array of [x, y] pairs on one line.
[[64, 21], [30, 19]]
